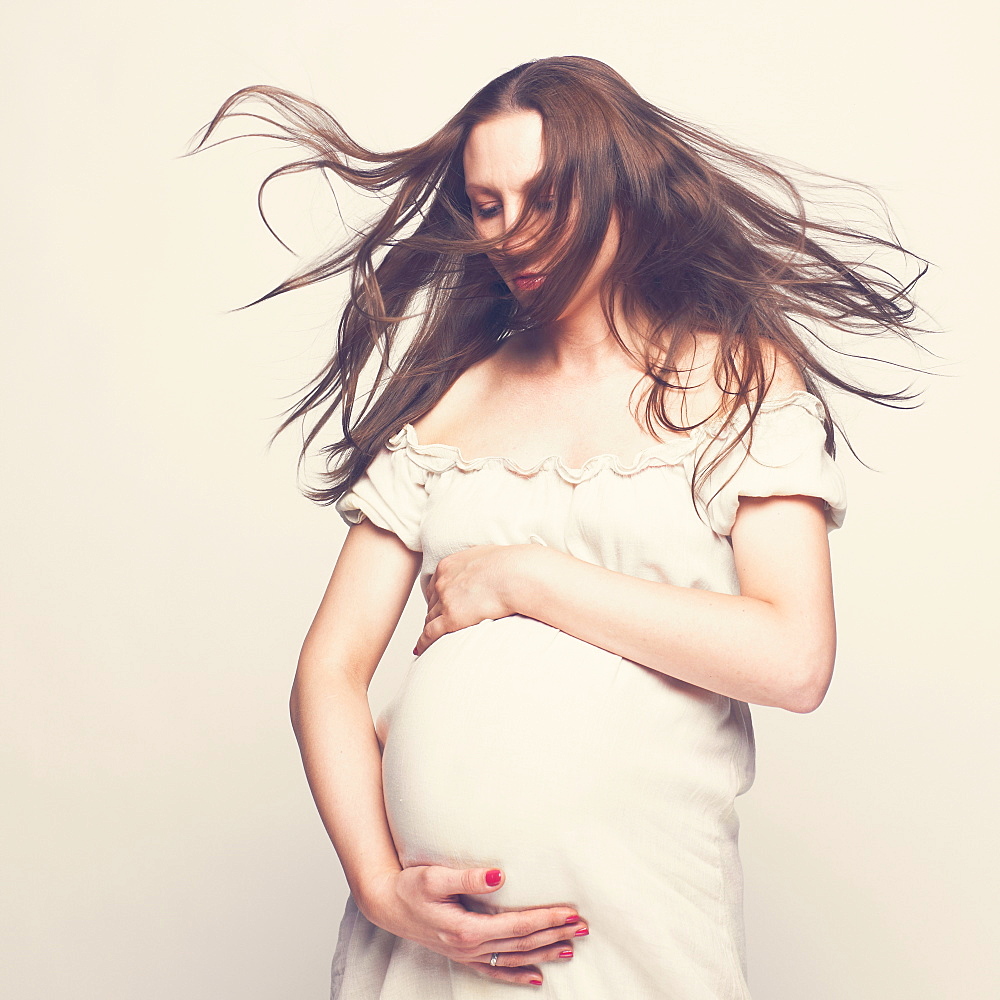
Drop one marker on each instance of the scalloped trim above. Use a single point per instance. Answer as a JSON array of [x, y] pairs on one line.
[[439, 458]]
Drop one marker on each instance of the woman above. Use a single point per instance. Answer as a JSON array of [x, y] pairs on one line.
[[604, 451]]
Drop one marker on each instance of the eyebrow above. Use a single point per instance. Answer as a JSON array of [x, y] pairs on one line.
[[480, 189]]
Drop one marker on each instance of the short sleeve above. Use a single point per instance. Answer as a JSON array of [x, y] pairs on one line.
[[390, 493], [787, 457]]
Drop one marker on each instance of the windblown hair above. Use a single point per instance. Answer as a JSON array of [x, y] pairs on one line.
[[701, 250]]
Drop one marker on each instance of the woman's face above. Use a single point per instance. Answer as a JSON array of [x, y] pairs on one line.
[[502, 155]]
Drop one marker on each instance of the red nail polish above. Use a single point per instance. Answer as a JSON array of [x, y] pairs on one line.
[[572, 920], [493, 876], [582, 931], [535, 982], [414, 650], [566, 954]]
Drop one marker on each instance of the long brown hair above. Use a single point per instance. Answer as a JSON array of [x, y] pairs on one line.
[[701, 249]]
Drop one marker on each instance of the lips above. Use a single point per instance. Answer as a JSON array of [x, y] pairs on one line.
[[528, 282]]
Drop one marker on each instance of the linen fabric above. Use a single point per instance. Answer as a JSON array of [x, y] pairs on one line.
[[588, 778]]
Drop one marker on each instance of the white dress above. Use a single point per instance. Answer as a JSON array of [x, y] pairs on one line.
[[588, 778]]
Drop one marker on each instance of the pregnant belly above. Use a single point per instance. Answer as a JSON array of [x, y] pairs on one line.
[[513, 744]]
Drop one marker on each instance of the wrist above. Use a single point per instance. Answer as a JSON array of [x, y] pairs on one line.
[[527, 582], [375, 895]]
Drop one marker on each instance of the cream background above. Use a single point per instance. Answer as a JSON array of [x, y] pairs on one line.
[[161, 568]]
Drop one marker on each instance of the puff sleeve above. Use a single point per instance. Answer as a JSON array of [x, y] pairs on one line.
[[787, 457], [391, 494]]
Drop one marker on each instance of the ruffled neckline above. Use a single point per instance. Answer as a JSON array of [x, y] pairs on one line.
[[439, 458]]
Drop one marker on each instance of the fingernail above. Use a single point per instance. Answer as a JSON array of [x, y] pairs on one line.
[[414, 650], [572, 920], [493, 876], [566, 954], [581, 932], [535, 982]]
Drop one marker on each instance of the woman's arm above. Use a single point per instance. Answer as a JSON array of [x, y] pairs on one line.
[[773, 644], [329, 702], [333, 724]]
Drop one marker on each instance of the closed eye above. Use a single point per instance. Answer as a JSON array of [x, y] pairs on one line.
[[490, 211]]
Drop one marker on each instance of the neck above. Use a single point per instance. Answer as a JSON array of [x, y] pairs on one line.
[[582, 345]]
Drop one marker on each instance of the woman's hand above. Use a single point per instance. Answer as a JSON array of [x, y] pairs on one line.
[[423, 904], [472, 585]]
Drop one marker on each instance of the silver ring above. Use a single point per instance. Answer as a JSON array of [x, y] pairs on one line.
[[493, 959]]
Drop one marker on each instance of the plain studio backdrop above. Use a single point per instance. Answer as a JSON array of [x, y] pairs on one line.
[[161, 567]]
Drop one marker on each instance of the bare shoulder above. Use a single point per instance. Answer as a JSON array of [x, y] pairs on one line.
[[781, 374], [708, 389], [445, 419], [783, 371]]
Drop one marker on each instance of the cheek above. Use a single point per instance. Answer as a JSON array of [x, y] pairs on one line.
[[606, 256], [488, 229]]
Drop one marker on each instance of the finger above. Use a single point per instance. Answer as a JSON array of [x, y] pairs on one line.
[[539, 939], [445, 881], [514, 925], [559, 951], [423, 640], [432, 632], [523, 976]]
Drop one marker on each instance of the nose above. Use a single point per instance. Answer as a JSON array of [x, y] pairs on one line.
[[525, 239]]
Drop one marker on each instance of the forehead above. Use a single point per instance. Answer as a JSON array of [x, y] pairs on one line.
[[503, 153]]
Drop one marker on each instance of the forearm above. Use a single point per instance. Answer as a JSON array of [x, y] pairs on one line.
[[342, 760], [739, 646]]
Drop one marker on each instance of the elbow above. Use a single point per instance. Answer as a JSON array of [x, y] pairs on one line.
[[812, 681], [295, 708], [298, 699], [802, 702], [319, 689]]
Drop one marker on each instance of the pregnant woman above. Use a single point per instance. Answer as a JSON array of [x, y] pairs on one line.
[[584, 345]]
